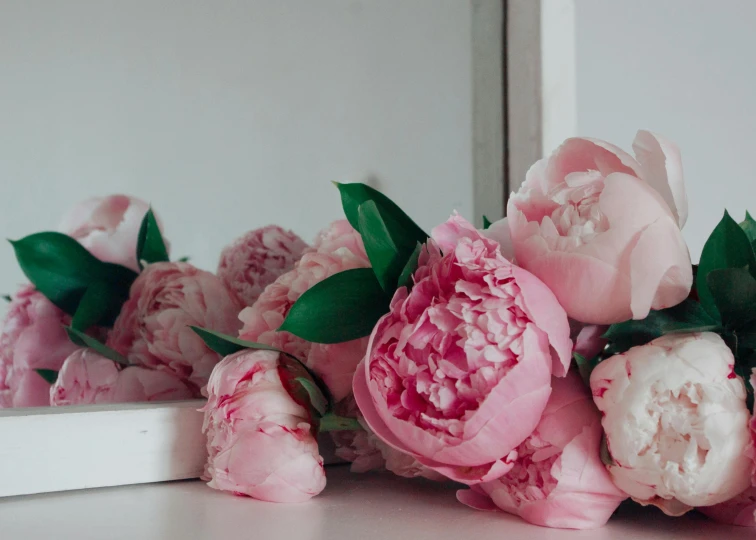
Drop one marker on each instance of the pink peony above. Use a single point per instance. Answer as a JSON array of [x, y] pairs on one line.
[[108, 227], [558, 479], [336, 363], [89, 378], [260, 441], [153, 327], [676, 422], [602, 229], [458, 373], [257, 259], [32, 338]]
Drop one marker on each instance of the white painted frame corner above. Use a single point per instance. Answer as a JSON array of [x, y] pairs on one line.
[[541, 82], [48, 449]]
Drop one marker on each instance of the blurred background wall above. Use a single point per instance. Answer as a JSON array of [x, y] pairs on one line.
[[685, 69], [229, 115]]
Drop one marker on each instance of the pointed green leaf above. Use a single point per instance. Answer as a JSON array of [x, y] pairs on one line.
[[749, 227], [83, 340], [727, 247], [404, 232], [183, 259], [341, 308], [384, 256], [99, 306], [486, 223], [49, 375], [734, 293], [62, 270], [225, 345], [58, 266], [405, 278], [150, 245], [7, 298]]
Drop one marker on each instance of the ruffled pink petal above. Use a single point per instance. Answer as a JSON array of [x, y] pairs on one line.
[[662, 169]]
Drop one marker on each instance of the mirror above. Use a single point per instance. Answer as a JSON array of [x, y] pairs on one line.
[[224, 117]]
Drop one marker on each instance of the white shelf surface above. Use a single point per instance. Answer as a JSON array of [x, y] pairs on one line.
[[368, 507]]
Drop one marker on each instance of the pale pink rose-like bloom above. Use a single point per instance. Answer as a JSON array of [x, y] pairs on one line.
[[259, 440], [602, 229], [335, 363], [32, 338], [88, 378], [257, 259], [458, 373], [153, 329], [558, 479], [108, 227], [676, 422]]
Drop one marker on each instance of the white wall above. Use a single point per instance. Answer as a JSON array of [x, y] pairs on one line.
[[228, 115], [685, 69]]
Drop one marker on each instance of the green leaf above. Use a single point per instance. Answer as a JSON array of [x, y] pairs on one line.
[[318, 401], [58, 266], [727, 247], [183, 259], [331, 422], [749, 227], [83, 340], [486, 223], [689, 316], [150, 245], [225, 345], [7, 298], [99, 306], [734, 293], [63, 270], [384, 256], [341, 308], [404, 232], [49, 375], [405, 278]]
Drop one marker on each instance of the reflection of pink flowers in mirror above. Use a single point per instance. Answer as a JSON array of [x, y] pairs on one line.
[[257, 259], [108, 227], [87, 378]]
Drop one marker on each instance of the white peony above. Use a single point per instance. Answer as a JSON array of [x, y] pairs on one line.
[[676, 422]]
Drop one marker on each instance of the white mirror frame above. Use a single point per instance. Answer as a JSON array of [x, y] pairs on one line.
[[49, 449]]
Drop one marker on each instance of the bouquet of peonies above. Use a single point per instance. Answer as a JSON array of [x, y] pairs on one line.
[[554, 364]]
